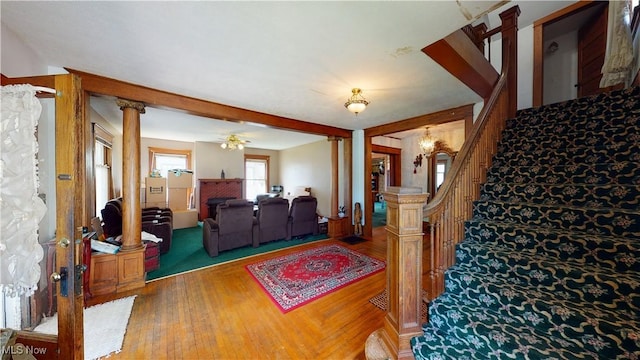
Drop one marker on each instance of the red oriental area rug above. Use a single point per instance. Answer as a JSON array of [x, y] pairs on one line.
[[296, 279]]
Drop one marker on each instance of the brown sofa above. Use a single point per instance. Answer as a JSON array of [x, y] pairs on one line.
[[234, 227], [273, 219]]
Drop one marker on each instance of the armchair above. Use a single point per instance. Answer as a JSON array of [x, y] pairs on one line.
[[234, 227], [303, 219], [273, 219]]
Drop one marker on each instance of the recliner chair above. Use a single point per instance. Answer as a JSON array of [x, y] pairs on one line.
[[273, 219], [234, 227], [303, 218]]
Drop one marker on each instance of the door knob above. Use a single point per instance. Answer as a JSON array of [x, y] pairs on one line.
[[64, 242], [56, 277]]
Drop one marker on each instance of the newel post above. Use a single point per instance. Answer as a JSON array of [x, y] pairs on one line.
[[509, 34], [404, 276]]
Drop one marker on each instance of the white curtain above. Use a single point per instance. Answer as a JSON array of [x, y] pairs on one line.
[[619, 54], [20, 207]]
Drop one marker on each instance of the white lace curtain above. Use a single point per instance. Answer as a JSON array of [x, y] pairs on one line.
[[20, 207], [619, 54]]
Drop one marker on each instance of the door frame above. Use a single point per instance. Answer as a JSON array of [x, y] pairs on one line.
[[538, 43], [72, 146]]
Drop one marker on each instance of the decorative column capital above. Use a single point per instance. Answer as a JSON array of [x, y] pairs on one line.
[[334, 138], [123, 103]]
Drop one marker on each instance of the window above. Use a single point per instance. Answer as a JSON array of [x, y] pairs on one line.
[[256, 173], [102, 166], [441, 167], [164, 160]]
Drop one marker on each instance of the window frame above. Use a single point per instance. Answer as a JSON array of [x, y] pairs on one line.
[[256, 158], [153, 151]]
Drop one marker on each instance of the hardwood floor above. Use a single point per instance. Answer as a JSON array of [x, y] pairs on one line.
[[222, 313]]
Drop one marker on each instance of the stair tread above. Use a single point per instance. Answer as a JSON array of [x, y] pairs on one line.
[[539, 261], [616, 239], [452, 314]]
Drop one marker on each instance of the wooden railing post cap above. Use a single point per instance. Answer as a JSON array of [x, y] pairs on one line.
[[397, 194], [510, 12]]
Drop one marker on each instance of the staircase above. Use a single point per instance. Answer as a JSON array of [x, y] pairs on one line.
[[550, 264]]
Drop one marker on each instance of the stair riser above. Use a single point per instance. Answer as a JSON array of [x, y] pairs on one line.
[[542, 141], [592, 221], [619, 254], [623, 173], [575, 127], [626, 100], [530, 270], [610, 196], [495, 293], [450, 315], [627, 152]]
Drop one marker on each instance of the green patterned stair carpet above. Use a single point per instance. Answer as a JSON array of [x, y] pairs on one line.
[[550, 264]]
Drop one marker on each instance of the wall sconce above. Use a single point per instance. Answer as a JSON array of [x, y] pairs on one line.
[[417, 162]]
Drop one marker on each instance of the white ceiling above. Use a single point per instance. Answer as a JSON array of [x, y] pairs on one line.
[[294, 59]]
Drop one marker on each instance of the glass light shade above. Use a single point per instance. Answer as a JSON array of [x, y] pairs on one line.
[[356, 107], [223, 145], [427, 144], [356, 102]]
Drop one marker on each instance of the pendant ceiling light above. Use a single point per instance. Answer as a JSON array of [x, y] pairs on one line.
[[427, 143], [356, 103]]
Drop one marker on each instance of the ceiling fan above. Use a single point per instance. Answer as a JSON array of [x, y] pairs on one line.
[[233, 142]]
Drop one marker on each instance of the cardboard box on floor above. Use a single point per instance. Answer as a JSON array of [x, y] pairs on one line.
[[178, 199], [185, 218]]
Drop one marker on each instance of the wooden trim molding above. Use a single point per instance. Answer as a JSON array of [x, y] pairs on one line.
[[100, 85], [439, 117]]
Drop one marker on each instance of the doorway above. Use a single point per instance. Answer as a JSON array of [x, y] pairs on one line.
[[562, 71]]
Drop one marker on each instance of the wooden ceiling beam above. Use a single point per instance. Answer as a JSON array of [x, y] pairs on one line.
[[99, 85], [440, 117], [47, 81]]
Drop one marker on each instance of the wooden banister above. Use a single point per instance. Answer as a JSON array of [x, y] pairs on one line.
[[453, 203]]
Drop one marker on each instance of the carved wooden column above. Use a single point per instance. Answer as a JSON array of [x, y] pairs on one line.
[[404, 276], [130, 259], [131, 211], [337, 225]]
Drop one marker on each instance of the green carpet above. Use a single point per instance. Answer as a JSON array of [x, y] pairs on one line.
[[379, 217], [187, 252]]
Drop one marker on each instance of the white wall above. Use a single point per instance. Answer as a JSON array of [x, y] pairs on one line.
[[309, 166], [18, 59], [561, 69], [525, 64]]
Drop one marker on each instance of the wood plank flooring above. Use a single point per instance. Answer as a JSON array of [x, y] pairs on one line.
[[222, 313]]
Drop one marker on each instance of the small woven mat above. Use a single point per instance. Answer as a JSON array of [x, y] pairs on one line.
[[380, 301]]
